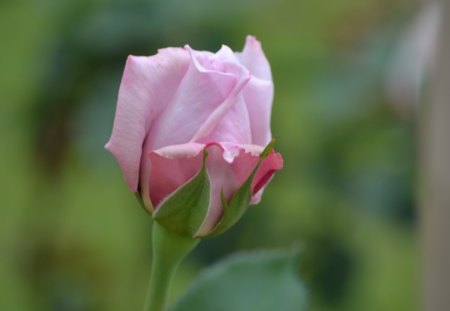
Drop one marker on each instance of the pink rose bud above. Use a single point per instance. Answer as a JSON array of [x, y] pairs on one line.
[[188, 134]]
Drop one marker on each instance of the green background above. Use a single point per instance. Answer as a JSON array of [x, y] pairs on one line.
[[72, 237]]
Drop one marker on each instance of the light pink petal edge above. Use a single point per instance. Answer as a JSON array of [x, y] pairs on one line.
[[253, 58]]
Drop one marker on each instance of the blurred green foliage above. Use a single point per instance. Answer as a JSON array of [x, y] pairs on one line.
[[263, 281], [72, 237]]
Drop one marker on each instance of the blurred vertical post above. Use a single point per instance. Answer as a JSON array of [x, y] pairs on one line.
[[435, 173]]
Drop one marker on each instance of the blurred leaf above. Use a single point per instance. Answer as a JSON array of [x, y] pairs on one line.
[[245, 282]]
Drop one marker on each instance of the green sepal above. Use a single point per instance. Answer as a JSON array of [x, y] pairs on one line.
[[268, 149], [184, 211], [141, 202], [239, 203]]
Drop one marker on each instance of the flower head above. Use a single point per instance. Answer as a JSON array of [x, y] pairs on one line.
[[191, 125]]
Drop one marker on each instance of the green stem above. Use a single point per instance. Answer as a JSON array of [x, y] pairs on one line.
[[169, 249]]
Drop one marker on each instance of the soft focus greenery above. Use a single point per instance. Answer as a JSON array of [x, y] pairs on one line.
[[72, 237], [263, 281]]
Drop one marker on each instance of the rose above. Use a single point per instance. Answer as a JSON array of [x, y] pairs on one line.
[[179, 103]]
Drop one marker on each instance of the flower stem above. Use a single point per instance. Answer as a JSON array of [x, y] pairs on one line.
[[169, 249]]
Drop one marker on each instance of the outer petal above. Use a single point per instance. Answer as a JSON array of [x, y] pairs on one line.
[[258, 93], [253, 58], [148, 84], [269, 166], [258, 96], [208, 87]]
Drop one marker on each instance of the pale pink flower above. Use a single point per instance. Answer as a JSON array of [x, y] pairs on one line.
[[173, 105]]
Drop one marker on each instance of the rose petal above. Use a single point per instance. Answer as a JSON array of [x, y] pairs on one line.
[[242, 77], [258, 97], [258, 93], [148, 84], [271, 164], [225, 54], [234, 126], [253, 58], [207, 87]]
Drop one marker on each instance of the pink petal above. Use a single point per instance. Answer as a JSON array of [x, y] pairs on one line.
[[234, 127], [148, 84], [215, 116], [258, 93], [271, 164], [258, 97], [222, 178], [245, 162], [208, 87], [225, 54], [253, 58]]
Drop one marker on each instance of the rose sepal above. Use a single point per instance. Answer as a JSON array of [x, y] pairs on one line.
[[185, 210], [141, 202]]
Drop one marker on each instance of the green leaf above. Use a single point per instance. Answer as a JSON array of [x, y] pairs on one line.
[[185, 210], [248, 282]]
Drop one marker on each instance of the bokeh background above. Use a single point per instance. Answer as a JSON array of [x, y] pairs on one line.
[[72, 237]]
